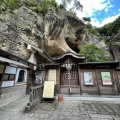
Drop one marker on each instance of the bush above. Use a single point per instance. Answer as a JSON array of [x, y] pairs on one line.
[[93, 53], [61, 6], [30, 3], [13, 4]]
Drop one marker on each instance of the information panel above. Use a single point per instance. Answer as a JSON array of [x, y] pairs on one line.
[[52, 75], [48, 91], [106, 78], [88, 80]]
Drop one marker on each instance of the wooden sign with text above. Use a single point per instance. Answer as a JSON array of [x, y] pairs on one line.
[[48, 91], [52, 75]]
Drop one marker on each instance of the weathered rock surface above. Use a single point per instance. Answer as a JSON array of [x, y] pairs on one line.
[[115, 49], [62, 27], [23, 25], [52, 34], [56, 32], [99, 43]]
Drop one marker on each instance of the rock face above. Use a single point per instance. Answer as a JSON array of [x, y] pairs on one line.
[[99, 43], [19, 27], [62, 28], [115, 49], [55, 32], [51, 33]]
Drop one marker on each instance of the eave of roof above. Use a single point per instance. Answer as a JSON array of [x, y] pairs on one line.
[[109, 63], [51, 64], [12, 62], [11, 56], [68, 54]]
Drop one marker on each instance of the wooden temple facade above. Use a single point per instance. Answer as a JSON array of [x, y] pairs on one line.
[[73, 76]]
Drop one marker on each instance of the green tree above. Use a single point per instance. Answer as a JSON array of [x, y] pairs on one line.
[[92, 29], [87, 19], [53, 3], [110, 30], [13, 4], [76, 4], [43, 7], [93, 53]]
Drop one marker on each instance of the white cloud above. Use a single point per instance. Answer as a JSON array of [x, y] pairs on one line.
[[119, 10], [107, 8], [91, 6], [96, 23]]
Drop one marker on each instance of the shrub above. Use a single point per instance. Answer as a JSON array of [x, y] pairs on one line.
[[13, 4]]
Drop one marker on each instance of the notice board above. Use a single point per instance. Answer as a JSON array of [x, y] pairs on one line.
[[48, 91], [52, 75]]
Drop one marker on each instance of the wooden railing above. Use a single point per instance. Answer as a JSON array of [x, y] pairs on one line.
[[35, 97]]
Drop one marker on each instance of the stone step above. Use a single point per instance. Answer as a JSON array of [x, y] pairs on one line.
[[75, 97]]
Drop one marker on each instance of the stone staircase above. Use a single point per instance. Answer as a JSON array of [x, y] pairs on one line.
[[74, 89]]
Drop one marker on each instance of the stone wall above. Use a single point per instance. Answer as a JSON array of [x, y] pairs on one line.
[[11, 94]]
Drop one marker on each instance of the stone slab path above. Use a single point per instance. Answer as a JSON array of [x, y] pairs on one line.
[[65, 110]]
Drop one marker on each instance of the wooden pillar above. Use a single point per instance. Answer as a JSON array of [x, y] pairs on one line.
[[79, 78], [2, 75], [116, 80], [98, 87], [59, 79], [2, 80], [16, 75]]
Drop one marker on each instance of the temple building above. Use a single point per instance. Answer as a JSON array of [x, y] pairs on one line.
[[73, 76]]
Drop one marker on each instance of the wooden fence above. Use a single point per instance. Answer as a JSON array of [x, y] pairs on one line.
[[35, 97]]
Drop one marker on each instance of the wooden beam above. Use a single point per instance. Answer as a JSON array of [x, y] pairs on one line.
[[79, 78], [116, 80], [98, 87], [59, 78]]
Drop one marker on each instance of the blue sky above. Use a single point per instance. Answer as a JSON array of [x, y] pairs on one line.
[[101, 12]]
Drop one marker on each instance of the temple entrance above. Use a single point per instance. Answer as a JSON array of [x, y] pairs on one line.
[[69, 79]]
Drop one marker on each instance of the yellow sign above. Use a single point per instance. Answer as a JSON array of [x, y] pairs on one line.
[[48, 91], [52, 75]]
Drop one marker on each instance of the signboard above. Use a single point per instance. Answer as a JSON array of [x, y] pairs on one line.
[[106, 78], [48, 91], [88, 80], [52, 75], [1, 68]]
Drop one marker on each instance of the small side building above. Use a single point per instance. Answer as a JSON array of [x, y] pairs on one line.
[[14, 75]]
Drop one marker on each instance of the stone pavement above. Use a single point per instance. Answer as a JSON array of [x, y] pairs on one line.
[[66, 110]]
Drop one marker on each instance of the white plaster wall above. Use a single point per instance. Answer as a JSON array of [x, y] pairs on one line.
[[35, 61], [10, 70], [17, 74], [7, 83], [31, 59]]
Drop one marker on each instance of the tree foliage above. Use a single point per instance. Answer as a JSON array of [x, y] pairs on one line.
[[76, 4], [92, 29], [93, 53], [110, 30], [87, 19], [12, 4]]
